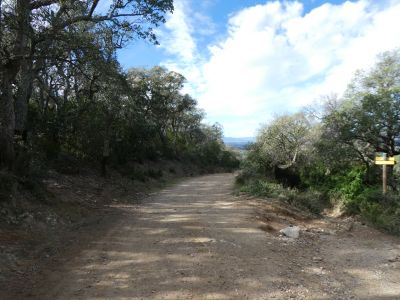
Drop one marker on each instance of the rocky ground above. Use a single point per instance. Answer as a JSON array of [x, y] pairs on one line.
[[197, 240]]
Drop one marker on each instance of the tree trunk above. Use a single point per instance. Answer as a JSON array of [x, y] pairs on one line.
[[7, 121], [106, 154], [367, 176], [22, 96], [106, 148], [9, 69]]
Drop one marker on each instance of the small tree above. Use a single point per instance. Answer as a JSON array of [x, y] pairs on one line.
[[368, 118], [285, 140]]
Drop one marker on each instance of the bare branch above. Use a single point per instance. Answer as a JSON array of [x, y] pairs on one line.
[[40, 3], [94, 5]]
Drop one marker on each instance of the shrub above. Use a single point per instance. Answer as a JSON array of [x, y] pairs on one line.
[[138, 174], [383, 211], [7, 186], [245, 176], [256, 187], [311, 200], [156, 174], [351, 184]]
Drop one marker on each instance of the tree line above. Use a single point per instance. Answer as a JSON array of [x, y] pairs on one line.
[[326, 152], [62, 90]]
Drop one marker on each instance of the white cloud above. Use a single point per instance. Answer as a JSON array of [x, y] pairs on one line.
[[276, 58], [178, 40]]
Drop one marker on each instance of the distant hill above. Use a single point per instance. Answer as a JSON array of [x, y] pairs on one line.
[[238, 143]]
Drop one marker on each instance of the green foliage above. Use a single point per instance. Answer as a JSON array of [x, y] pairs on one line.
[[7, 186], [367, 118], [315, 175], [229, 160], [141, 116], [350, 184], [68, 71], [138, 174], [333, 153], [382, 211], [257, 187], [67, 103], [255, 162], [284, 141], [156, 174], [342, 186], [311, 200]]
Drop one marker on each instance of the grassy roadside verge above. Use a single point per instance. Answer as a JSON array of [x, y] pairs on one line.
[[368, 204], [310, 200]]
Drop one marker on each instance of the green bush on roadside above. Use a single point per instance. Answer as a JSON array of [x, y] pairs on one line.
[[383, 211], [311, 200]]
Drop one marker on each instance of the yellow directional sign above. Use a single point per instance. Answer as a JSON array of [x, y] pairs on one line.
[[379, 160], [384, 160]]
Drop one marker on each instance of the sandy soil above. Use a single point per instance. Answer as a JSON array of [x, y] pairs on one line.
[[196, 240]]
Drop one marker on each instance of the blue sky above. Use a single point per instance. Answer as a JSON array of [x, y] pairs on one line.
[[247, 61]]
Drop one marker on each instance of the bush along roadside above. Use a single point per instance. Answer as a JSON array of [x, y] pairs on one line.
[[348, 192], [310, 200], [326, 154]]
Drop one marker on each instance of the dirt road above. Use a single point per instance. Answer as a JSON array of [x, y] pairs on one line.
[[196, 240]]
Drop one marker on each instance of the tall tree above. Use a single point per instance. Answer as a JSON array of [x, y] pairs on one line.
[[285, 140], [32, 32], [368, 119]]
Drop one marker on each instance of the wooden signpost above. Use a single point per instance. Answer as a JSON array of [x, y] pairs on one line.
[[384, 161]]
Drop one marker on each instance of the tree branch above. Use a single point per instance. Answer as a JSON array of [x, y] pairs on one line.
[[94, 5], [40, 3], [97, 19]]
